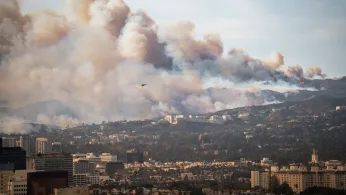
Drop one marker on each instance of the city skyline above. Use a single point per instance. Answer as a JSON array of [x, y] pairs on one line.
[[150, 97]]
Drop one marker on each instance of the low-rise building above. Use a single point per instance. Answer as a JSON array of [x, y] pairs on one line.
[[72, 191], [80, 179], [107, 157]]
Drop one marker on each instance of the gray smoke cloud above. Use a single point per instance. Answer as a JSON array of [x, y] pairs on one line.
[[95, 57]]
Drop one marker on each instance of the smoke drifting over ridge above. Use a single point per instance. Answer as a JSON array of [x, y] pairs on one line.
[[95, 57]]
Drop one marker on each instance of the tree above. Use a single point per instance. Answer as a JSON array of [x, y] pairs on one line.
[[139, 190], [284, 189], [274, 184], [196, 191]]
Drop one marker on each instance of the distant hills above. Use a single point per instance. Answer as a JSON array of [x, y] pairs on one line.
[[281, 111]]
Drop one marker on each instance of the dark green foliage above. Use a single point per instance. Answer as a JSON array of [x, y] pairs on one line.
[[322, 191], [283, 189]]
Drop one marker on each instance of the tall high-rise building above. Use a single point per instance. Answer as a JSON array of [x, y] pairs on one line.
[[25, 143], [55, 162], [8, 142], [56, 147], [41, 145], [13, 155]]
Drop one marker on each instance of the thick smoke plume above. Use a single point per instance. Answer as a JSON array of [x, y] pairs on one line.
[[96, 56]]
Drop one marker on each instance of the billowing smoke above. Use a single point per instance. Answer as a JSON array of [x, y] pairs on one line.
[[61, 120], [15, 125], [315, 72], [312, 72], [183, 47], [296, 71], [96, 56]]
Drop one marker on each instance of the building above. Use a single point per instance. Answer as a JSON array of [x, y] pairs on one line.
[[175, 119], [340, 108], [216, 119], [333, 164], [301, 180], [133, 156], [170, 118], [72, 191], [84, 167], [107, 157], [18, 182], [113, 167], [8, 142], [93, 179], [314, 157], [25, 143], [41, 145], [56, 147], [29, 163], [188, 176], [45, 182], [55, 162], [17, 187], [260, 179], [9, 167], [13, 155], [91, 157], [266, 162], [80, 179], [5, 176], [78, 157]]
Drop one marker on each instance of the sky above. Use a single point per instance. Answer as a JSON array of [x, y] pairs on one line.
[[306, 32]]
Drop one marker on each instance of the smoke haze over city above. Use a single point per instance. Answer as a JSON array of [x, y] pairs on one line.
[[96, 55]]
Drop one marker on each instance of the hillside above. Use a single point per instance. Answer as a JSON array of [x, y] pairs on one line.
[[278, 112]]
